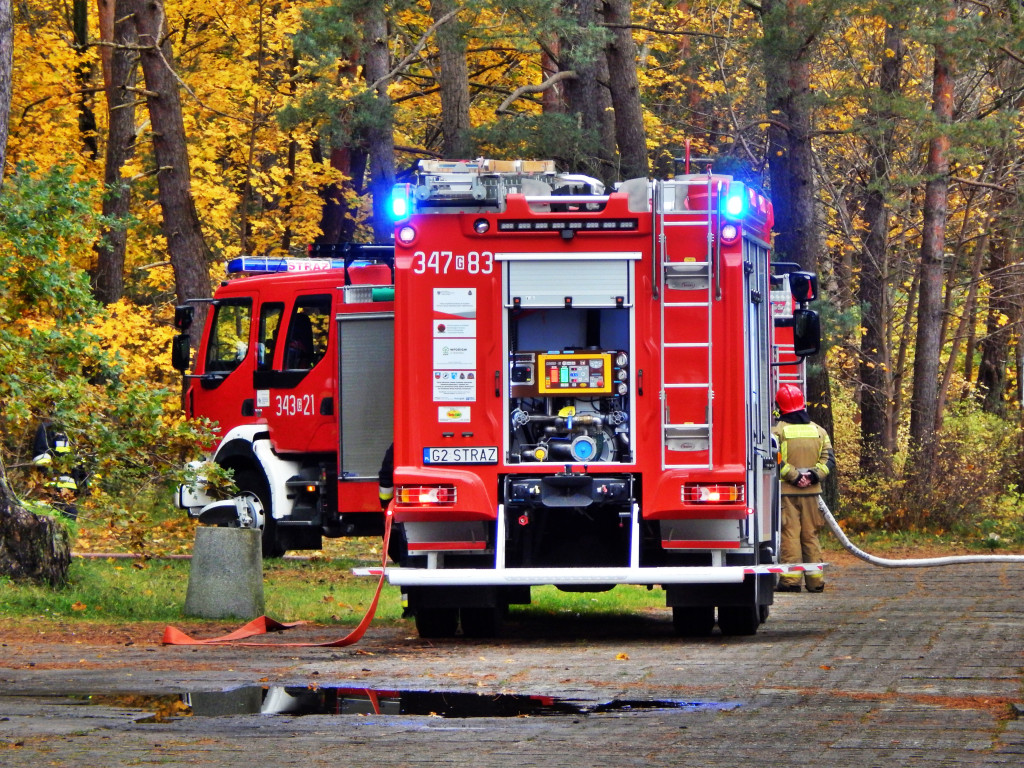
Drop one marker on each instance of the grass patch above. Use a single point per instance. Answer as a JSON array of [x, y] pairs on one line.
[[625, 598], [319, 591], [321, 588], [921, 542]]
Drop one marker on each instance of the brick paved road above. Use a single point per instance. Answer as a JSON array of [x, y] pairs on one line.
[[887, 668]]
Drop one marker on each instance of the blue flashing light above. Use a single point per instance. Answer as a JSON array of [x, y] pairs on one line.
[[401, 204], [261, 265], [735, 206]]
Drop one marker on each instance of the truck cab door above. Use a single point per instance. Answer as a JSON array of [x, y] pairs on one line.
[[295, 379], [221, 389]]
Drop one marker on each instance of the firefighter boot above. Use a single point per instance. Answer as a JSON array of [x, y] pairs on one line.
[[814, 585], [787, 585]]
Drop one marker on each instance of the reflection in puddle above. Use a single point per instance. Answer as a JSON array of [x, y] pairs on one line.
[[298, 700]]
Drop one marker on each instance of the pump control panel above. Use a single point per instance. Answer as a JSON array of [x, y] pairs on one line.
[[587, 373]]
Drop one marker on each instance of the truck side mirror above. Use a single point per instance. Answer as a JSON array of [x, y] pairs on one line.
[[181, 352], [183, 316], [803, 286], [806, 332]]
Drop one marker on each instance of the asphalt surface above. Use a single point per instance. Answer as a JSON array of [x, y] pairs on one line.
[[917, 667]]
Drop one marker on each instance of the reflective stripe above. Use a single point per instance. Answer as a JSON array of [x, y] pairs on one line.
[[794, 431]]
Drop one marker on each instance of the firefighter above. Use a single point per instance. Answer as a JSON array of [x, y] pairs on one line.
[[386, 478], [49, 443], [398, 548], [805, 459]]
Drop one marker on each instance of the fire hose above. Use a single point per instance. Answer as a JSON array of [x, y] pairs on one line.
[[264, 624], [914, 562]]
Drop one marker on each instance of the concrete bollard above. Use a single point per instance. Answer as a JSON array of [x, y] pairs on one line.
[[226, 576]]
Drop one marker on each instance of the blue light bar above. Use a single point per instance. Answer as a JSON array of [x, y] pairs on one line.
[[254, 264], [735, 205]]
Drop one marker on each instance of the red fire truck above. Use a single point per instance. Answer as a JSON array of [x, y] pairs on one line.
[[295, 366], [584, 386]]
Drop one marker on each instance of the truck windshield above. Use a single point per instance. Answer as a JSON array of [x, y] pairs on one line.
[[229, 335]]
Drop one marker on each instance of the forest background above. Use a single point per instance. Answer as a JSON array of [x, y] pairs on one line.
[[148, 142]]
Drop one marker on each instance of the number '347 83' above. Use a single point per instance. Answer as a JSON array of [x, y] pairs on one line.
[[443, 262]]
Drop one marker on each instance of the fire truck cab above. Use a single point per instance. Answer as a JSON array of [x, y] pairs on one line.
[[294, 366], [584, 387]]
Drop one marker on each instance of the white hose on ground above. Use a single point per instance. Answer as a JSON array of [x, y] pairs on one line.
[[915, 562]]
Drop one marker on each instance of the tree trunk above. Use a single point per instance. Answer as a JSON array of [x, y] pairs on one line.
[[923, 406], [83, 79], [791, 157], [6, 62], [185, 244], [624, 87], [787, 50], [966, 319], [552, 99], [999, 328], [587, 96], [119, 70], [876, 370], [32, 547], [454, 83], [380, 136]]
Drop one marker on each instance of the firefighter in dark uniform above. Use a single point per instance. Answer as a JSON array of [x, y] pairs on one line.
[[398, 549], [386, 478], [51, 443], [805, 459]]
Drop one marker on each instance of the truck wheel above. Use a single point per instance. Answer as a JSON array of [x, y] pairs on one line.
[[437, 622], [738, 619], [482, 622], [693, 621], [252, 485]]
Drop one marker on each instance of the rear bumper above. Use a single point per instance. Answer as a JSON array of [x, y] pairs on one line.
[[481, 577]]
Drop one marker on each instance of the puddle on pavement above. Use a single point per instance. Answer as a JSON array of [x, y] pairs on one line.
[[288, 700]]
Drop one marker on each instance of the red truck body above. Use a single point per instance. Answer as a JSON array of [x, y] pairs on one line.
[[583, 387], [295, 369]]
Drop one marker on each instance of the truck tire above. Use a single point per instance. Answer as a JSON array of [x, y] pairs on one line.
[[437, 622], [693, 621], [739, 619], [482, 622], [251, 483]]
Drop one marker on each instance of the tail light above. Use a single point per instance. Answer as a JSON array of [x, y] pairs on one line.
[[714, 493], [425, 495]]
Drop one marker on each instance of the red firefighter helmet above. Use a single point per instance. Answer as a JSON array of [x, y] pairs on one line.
[[789, 398]]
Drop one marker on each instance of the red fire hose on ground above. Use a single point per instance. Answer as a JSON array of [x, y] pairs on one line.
[[264, 624]]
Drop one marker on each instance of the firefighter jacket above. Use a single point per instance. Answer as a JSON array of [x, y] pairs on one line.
[[803, 446]]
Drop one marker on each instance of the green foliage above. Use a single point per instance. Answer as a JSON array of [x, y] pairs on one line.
[[557, 137], [66, 358], [970, 492], [44, 219]]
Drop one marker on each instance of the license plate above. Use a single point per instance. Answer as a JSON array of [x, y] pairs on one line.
[[461, 455]]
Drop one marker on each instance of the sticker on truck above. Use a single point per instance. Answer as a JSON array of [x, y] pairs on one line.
[[487, 454]]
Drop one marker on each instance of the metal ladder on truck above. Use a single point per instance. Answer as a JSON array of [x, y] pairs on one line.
[[687, 287]]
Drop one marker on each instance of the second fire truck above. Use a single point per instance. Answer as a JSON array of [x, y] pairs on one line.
[[584, 386]]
